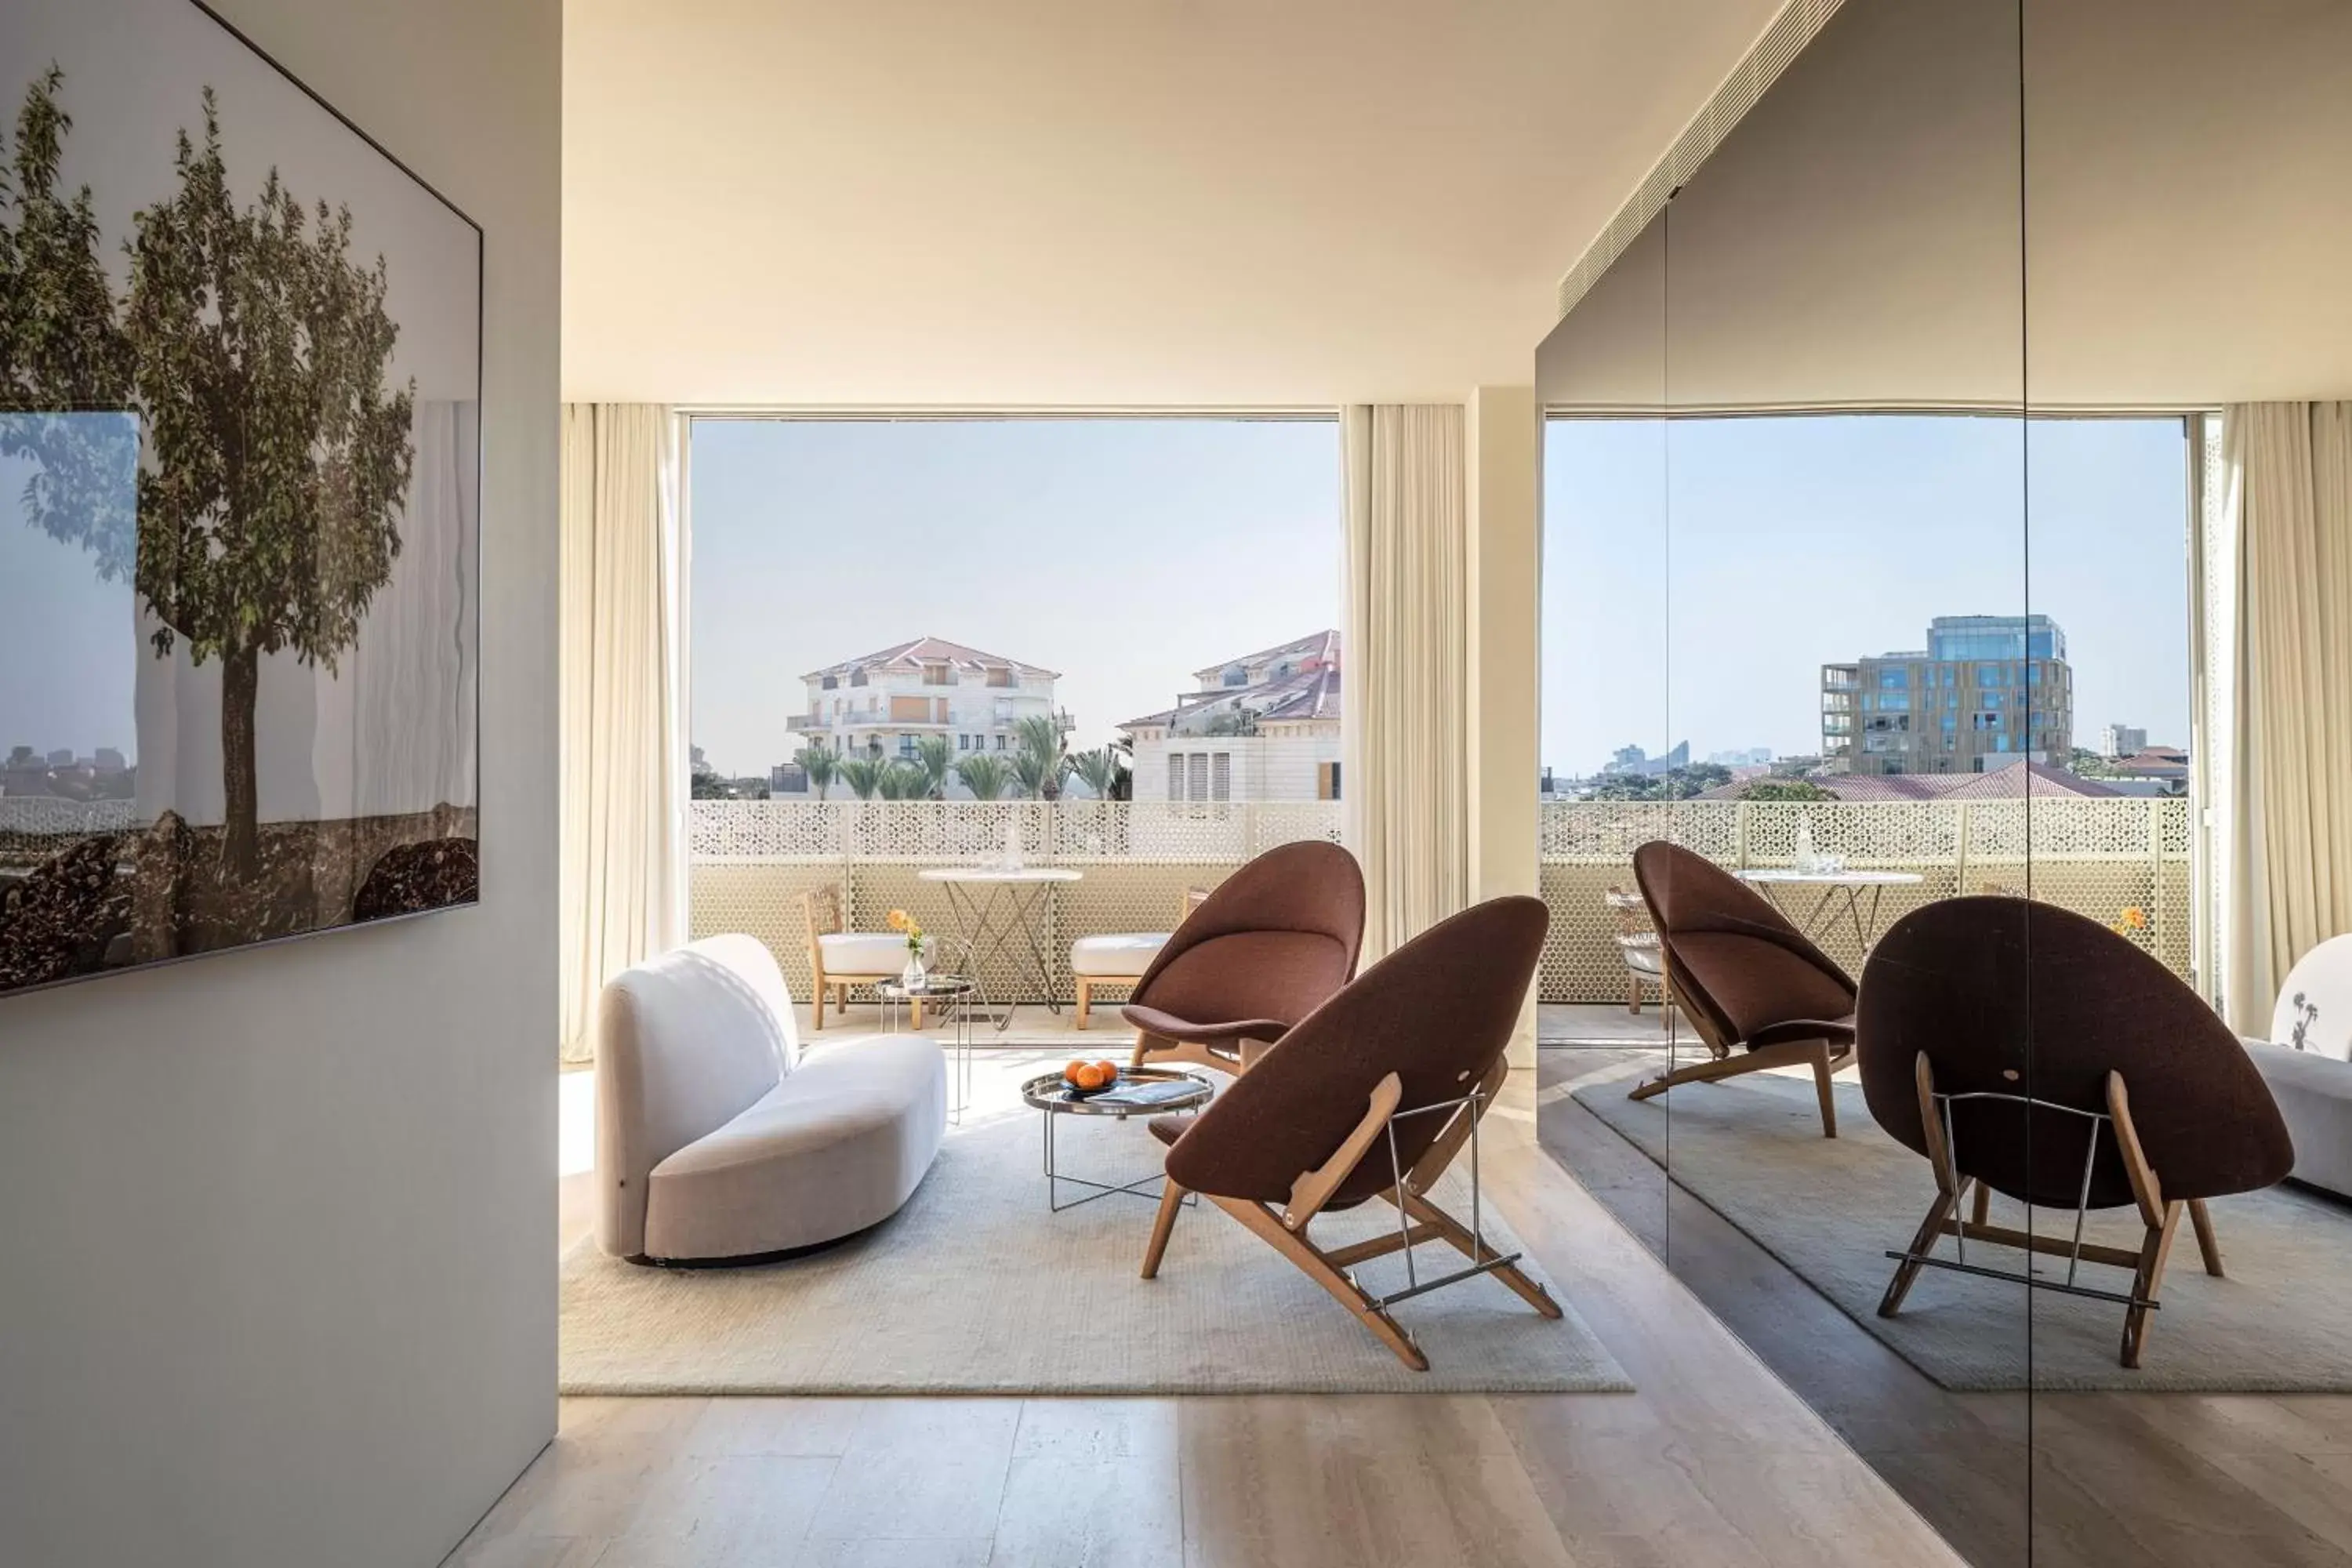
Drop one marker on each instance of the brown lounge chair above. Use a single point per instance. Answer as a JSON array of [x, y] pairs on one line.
[[2028, 1051], [1266, 947], [1757, 994], [1371, 1096]]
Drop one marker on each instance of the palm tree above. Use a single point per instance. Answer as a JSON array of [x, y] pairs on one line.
[[1100, 770], [820, 762], [863, 775], [931, 757], [904, 780], [1041, 763], [986, 777]]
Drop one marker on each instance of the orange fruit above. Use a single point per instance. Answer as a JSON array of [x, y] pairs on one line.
[[1090, 1076], [1109, 1071]]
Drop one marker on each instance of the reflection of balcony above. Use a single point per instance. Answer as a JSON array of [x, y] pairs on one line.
[[2097, 856]]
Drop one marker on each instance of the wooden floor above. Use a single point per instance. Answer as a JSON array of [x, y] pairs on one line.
[[1712, 1462], [2147, 1481]]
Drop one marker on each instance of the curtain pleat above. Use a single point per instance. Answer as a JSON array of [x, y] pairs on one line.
[[624, 762], [1404, 782], [2288, 885]]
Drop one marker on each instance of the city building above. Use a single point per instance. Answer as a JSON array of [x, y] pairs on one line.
[[1985, 692], [1635, 760], [1265, 726], [884, 702], [2123, 740]]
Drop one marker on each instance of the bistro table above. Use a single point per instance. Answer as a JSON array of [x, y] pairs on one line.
[[1001, 911], [949, 996], [1851, 894]]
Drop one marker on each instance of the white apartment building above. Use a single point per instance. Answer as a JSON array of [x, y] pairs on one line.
[[1262, 727], [884, 702]]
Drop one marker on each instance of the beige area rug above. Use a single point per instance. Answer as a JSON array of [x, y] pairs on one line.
[[976, 1288]]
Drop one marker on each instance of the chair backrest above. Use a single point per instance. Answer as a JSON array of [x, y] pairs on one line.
[[1274, 940], [1438, 1012], [684, 1043], [822, 907], [1738, 965], [2314, 1006], [2018, 997]]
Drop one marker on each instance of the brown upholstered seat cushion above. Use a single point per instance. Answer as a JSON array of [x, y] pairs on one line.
[[2013, 997], [1272, 941], [1438, 1012], [1738, 965]]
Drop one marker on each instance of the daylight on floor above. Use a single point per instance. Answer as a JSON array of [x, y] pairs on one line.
[[1176, 786]]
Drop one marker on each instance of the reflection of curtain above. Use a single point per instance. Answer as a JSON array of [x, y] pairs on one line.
[[1404, 782], [2288, 471], [624, 742]]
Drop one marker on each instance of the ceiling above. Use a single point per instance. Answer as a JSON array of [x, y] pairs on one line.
[[1149, 203]]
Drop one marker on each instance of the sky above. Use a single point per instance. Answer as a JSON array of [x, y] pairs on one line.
[[1124, 554], [1697, 574], [69, 643]]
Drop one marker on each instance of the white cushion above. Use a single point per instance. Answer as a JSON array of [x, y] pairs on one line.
[[1642, 960], [866, 951], [2314, 1006], [1126, 954]]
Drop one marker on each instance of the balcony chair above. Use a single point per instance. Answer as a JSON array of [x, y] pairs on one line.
[[1119, 958], [839, 958], [1372, 1096], [1757, 994], [1637, 944], [1267, 947], [2026, 1050]]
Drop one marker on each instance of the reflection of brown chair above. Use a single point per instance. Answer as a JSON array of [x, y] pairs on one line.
[[2028, 1051], [1267, 947], [1372, 1096], [1757, 991]]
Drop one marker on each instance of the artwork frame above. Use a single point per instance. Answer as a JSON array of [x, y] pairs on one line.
[[354, 626]]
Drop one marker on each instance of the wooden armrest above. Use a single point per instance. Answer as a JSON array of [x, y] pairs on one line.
[[1313, 1188]]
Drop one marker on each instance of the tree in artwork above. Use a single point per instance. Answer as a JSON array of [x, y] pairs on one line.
[[272, 460]]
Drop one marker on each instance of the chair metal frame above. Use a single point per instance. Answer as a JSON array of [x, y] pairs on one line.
[[1419, 1219], [2147, 1262]]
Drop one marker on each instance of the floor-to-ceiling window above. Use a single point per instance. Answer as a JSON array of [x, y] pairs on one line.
[[1111, 641]]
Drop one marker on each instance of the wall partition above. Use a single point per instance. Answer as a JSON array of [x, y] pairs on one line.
[[1891, 713]]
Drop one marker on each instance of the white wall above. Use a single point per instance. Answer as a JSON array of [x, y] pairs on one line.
[[276, 1282]]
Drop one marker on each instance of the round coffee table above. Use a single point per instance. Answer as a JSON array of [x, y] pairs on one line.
[[1187, 1091]]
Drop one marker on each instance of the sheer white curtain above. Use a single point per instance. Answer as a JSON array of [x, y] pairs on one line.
[[2285, 784], [624, 694], [1404, 782]]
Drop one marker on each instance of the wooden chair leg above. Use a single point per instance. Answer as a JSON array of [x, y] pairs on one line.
[[1085, 1004], [1907, 1270], [1980, 1208], [1828, 1097], [1458, 1237], [1171, 1204], [2207, 1246], [2147, 1280], [1309, 1261], [1633, 994], [915, 1013], [817, 995]]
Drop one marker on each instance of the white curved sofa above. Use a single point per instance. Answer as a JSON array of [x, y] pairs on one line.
[[717, 1140]]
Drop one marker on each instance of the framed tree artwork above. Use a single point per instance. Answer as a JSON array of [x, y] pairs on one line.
[[240, 437]]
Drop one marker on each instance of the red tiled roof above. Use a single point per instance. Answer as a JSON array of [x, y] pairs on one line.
[[1294, 699], [2039, 779], [932, 650], [1323, 645]]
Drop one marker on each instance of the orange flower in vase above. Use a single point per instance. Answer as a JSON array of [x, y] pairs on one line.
[[904, 923]]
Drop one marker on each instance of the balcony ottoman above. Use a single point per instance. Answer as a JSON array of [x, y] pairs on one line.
[[717, 1142], [1116, 958]]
